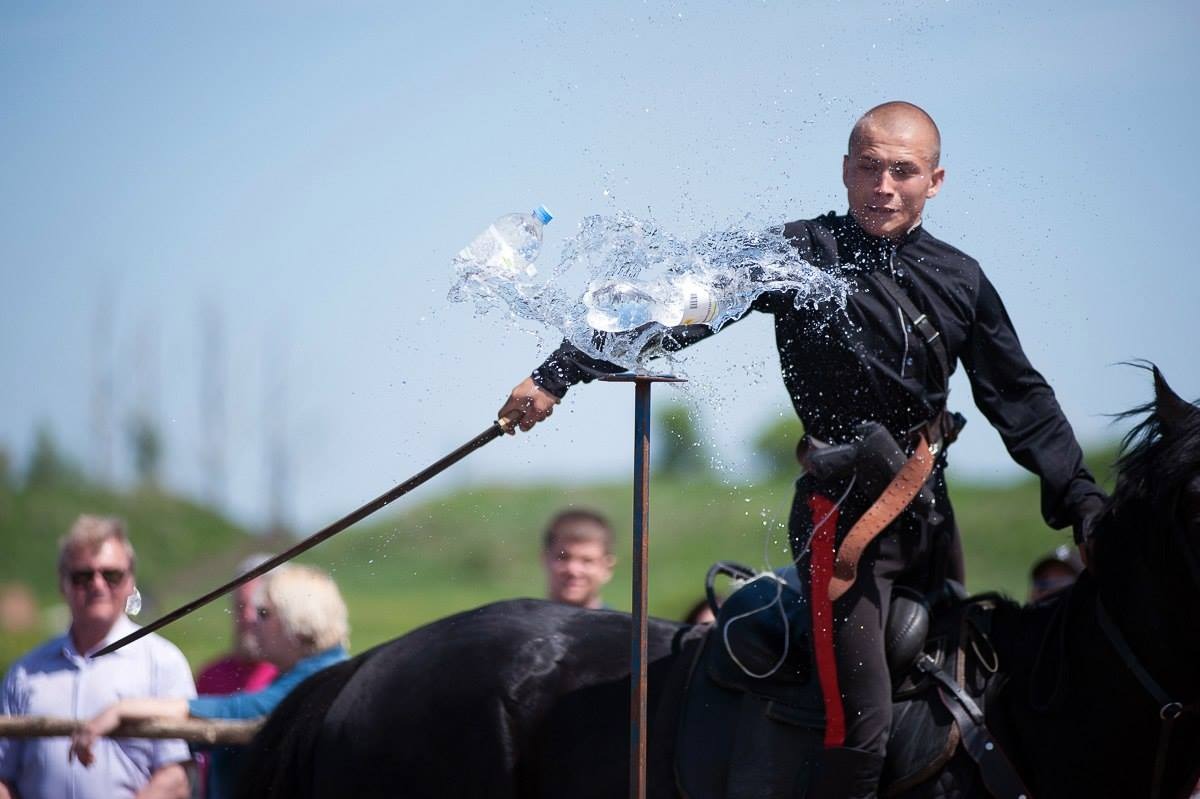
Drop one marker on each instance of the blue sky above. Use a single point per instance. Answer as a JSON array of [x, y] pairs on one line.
[[305, 172]]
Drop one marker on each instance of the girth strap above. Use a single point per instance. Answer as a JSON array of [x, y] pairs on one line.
[[997, 771], [894, 499]]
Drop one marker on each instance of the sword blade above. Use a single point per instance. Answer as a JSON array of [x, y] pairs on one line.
[[497, 429]]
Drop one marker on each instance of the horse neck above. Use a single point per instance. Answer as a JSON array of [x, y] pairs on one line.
[[1148, 592]]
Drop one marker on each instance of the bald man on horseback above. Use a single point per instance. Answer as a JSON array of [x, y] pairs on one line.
[[876, 379]]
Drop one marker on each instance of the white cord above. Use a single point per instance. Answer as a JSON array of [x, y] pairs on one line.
[[778, 600], [837, 505], [786, 633]]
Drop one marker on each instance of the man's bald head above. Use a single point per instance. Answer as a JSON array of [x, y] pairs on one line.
[[899, 117], [891, 169]]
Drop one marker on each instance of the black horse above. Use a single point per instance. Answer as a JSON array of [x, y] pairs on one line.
[[531, 699]]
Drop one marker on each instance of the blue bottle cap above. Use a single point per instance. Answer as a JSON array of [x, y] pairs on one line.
[[542, 214]]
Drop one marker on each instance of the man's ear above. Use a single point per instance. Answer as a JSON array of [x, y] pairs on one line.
[[846, 170], [936, 178]]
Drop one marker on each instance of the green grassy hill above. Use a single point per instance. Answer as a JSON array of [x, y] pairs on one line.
[[436, 556]]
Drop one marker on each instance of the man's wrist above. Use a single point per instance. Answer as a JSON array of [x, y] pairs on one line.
[[548, 383], [1086, 513]]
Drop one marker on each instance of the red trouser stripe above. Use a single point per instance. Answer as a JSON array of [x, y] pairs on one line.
[[824, 540]]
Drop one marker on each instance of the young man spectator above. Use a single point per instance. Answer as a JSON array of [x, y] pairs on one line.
[[577, 554], [302, 628], [96, 576]]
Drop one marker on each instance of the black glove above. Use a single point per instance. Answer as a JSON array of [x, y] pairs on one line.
[[1086, 513]]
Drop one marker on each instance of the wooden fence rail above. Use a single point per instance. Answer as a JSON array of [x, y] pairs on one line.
[[194, 730]]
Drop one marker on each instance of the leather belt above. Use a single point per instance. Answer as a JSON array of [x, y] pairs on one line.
[[894, 499]]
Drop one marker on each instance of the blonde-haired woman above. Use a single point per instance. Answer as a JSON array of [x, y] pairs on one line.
[[302, 628]]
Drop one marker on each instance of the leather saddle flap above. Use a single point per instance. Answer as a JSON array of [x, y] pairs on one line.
[[924, 735]]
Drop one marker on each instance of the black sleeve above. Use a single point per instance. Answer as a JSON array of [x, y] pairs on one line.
[[569, 365], [1021, 406]]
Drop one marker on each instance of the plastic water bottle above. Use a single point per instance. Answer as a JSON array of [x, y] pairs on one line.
[[682, 299], [508, 248]]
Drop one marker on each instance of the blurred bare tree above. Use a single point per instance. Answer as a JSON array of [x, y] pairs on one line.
[[775, 447], [677, 441], [146, 449], [7, 481], [48, 465]]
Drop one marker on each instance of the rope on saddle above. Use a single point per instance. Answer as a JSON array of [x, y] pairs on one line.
[[894, 499]]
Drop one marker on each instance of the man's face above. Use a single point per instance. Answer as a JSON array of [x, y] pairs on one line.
[[97, 583], [889, 176], [269, 640], [576, 571]]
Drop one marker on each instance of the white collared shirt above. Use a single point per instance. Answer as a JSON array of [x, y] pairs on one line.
[[56, 680]]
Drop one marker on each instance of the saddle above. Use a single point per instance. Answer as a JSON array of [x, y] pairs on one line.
[[752, 721]]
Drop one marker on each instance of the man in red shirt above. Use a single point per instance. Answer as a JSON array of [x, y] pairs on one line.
[[240, 670]]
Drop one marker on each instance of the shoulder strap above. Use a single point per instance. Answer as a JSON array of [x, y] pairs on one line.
[[929, 334]]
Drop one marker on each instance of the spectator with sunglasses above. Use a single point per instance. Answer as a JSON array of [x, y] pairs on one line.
[[96, 576]]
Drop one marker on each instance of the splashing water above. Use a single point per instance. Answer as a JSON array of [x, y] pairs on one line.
[[739, 264]]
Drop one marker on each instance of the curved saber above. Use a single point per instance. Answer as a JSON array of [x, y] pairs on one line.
[[497, 429]]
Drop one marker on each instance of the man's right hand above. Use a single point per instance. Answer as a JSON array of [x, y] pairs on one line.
[[1086, 515], [527, 405]]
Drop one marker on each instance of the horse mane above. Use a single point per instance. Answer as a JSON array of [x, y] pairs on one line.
[[1155, 459]]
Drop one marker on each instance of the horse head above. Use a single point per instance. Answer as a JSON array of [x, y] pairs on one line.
[[1180, 423], [1146, 550], [1158, 486]]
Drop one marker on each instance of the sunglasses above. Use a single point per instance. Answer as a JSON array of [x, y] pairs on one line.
[[83, 577]]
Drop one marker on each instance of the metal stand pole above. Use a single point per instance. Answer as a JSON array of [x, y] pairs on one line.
[[641, 558], [641, 563]]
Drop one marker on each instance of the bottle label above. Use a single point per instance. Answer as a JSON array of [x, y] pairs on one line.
[[699, 307]]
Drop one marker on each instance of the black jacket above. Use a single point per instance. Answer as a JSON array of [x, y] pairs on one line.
[[863, 363]]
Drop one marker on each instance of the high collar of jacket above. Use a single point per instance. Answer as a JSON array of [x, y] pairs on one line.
[[867, 250]]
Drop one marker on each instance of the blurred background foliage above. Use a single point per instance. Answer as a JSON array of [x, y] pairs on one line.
[[435, 554]]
